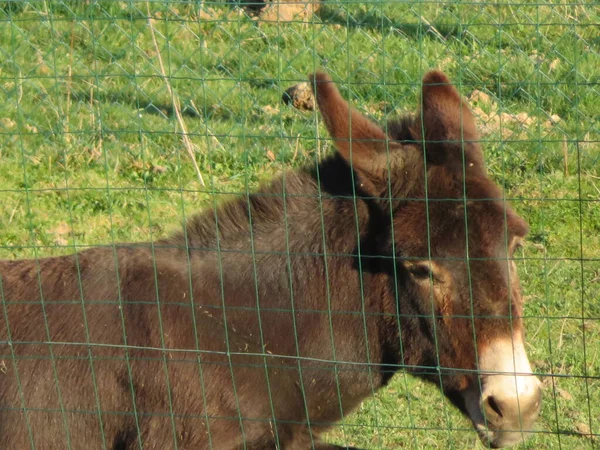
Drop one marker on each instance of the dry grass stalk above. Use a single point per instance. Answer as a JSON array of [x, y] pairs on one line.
[[565, 149], [69, 82], [176, 106]]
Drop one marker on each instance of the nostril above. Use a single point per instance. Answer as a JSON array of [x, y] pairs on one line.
[[493, 405]]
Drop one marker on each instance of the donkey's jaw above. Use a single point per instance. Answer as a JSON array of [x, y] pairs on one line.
[[500, 439], [492, 435], [507, 399]]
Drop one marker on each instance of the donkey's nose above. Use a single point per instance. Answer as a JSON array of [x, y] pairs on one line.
[[513, 413], [511, 396]]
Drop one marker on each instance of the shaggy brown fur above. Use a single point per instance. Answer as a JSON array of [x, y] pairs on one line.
[[266, 321]]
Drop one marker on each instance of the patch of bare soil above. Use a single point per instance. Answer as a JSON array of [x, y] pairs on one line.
[[289, 10], [508, 124], [61, 234], [281, 10], [267, 10]]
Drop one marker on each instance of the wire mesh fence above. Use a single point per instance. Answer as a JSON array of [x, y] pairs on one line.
[[121, 119]]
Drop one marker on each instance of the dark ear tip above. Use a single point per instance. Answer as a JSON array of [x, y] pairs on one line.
[[436, 77]]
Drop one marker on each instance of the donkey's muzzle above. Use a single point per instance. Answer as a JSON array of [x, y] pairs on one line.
[[505, 410], [509, 419]]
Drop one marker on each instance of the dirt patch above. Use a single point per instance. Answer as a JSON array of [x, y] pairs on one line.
[[289, 10], [61, 234], [281, 10], [491, 120], [7, 123]]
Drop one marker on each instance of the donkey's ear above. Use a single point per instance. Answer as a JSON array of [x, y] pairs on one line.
[[448, 124], [359, 140]]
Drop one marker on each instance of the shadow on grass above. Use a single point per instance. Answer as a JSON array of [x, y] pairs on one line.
[[209, 112], [371, 20], [157, 108]]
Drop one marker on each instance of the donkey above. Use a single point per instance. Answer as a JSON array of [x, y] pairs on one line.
[[268, 318]]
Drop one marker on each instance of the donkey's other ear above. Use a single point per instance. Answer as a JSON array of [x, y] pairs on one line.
[[358, 139], [448, 125]]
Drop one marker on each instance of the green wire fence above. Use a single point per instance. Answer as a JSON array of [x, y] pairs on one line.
[[120, 119]]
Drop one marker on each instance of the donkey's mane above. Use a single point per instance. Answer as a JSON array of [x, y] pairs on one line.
[[404, 129], [265, 208]]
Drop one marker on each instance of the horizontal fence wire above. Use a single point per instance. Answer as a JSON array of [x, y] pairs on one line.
[[122, 120]]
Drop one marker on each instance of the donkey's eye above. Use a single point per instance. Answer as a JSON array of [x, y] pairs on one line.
[[421, 271]]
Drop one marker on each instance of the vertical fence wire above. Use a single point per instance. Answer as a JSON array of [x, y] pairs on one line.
[[120, 118]]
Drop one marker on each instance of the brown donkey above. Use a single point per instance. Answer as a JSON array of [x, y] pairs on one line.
[[267, 320]]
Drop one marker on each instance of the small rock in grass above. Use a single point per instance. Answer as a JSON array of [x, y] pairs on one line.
[[300, 96], [269, 110], [480, 97], [583, 429]]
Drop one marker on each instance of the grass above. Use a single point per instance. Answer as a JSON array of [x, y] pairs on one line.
[[92, 154]]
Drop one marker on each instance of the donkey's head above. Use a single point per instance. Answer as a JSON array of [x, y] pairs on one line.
[[452, 238]]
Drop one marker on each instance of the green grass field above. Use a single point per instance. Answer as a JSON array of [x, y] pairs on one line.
[[91, 151]]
